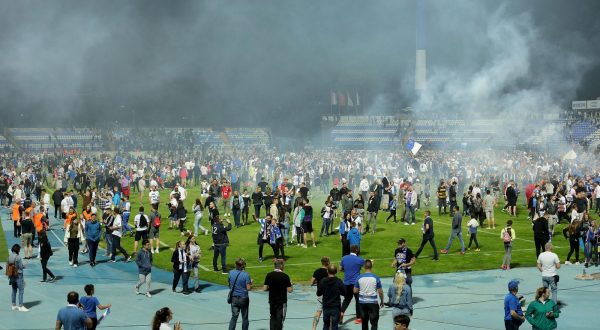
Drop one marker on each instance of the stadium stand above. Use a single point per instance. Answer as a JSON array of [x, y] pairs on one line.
[[248, 136]]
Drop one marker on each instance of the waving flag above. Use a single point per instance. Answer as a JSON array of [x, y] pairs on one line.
[[413, 146]]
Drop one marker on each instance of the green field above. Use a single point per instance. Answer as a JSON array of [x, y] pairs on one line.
[[380, 247]]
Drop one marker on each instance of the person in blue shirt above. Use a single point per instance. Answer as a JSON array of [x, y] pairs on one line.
[[92, 237], [513, 314], [90, 303], [344, 229], [351, 265], [71, 316], [239, 284], [368, 287], [354, 236]]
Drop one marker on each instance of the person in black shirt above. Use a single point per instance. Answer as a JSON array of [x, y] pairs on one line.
[[279, 285], [428, 236], [263, 185], [541, 234], [404, 259], [220, 242], [304, 191], [330, 289], [511, 199], [318, 275], [257, 201]]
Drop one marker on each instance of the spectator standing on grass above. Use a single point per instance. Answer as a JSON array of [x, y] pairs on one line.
[[319, 274], [456, 231], [239, 283], [541, 234], [351, 265], [279, 285], [72, 317], [368, 286], [330, 289], [90, 303], [141, 223], [507, 235], [143, 260], [513, 314], [154, 230], [428, 236], [489, 202], [548, 263], [307, 224], [220, 242]]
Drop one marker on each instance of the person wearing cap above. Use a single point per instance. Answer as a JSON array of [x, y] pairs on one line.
[[513, 314], [404, 259]]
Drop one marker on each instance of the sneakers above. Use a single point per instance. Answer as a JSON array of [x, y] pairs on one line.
[[444, 251], [52, 279], [260, 259], [70, 263], [406, 224], [128, 259], [304, 246], [23, 309], [503, 267], [15, 308], [567, 262], [137, 291], [577, 263], [74, 265], [358, 321], [477, 250], [148, 295], [112, 260], [413, 223], [157, 250], [462, 252], [205, 232]]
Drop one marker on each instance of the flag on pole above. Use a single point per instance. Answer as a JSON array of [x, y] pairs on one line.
[[333, 98], [357, 100], [342, 99], [350, 103], [413, 146]]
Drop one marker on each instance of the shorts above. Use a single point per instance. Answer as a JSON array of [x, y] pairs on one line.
[[143, 234], [154, 232], [319, 303], [307, 227], [489, 214], [512, 202], [26, 239]]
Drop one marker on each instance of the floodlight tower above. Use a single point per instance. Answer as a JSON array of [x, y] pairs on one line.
[[421, 44]]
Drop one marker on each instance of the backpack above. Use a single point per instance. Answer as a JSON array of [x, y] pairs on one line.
[[156, 222], [11, 270], [506, 237], [143, 221]]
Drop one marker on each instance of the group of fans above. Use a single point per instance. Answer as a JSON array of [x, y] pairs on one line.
[[240, 184]]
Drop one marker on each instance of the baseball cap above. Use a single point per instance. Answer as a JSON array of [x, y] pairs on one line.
[[513, 284], [402, 240]]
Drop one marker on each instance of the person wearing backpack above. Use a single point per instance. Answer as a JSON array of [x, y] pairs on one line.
[[507, 235], [14, 271], [141, 223], [154, 230]]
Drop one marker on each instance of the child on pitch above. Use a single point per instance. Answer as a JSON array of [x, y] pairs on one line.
[[507, 235], [89, 304], [473, 224]]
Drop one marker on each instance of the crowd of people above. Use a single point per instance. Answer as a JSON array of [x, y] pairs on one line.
[[282, 184]]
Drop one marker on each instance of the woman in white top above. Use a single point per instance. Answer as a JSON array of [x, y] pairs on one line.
[[161, 320], [193, 251], [198, 210]]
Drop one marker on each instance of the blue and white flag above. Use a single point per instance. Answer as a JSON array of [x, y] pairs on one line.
[[413, 146]]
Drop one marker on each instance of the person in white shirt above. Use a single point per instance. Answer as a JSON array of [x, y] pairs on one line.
[[45, 202], [141, 223], [117, 233], [154, 196], [364, 187], [161, 320], [547, 264], [141, 187]]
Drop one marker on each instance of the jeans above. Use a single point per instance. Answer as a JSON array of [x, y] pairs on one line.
[[257, 211], [325, 226], [331, 317], [92, 250], [109, 245], [220, 249], [45, 270], [197, 223], [116, 246], [473, 238], [177, 274], [73, 244], [239, 304], [16, 229], [548, 282], [410, 214], [370, 313], [144, 279], [427, 238], [18, 284], [372, 217], [236, 217], [507, 254], [277, 311], [460, 238]]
